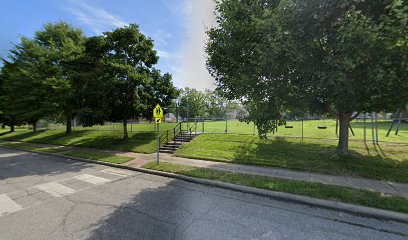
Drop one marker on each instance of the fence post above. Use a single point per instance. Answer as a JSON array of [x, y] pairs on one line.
[[188, 115], [202, 114], [376, 127], [365, 128], [372, 127], [399, 124], [226, 117]]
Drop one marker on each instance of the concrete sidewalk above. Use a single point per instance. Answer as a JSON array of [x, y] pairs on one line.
[[384, 187]]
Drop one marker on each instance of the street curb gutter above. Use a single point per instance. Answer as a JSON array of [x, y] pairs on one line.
[[326, 204]]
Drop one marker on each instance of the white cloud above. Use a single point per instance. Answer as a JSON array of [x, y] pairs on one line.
[[192, 65], [161, 37], [97, 18], [163, 54], [180, 6]]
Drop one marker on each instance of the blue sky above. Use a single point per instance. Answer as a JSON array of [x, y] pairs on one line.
[[177, 26]]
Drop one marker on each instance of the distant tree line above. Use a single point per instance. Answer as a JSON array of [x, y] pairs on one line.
[[63, 74], [208, 104]]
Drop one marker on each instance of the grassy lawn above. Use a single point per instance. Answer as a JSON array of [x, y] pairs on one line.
[[143, 142], [310, 129], [317, 190], [25, 146], [118, 127], [103, 157], [384, 161]]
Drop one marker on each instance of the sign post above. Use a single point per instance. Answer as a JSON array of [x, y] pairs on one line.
[[158, 115], [158, 142]]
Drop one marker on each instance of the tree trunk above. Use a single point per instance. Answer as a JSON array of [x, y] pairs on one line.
[[344, 122], [12, 128], [68, 130], [125, 131], [35, 126]]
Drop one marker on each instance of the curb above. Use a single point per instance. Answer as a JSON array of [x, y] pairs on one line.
[[326, 204]]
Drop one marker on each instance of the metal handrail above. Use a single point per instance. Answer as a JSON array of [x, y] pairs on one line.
[[165, 136], [195, 129], [176, 131]]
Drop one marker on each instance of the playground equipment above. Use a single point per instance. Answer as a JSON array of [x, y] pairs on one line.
[[319, 126], [337, 128], [397, 119]]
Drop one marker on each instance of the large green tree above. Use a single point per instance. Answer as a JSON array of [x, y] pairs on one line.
[[159, 90], [8, 115], [331, 56], [115, 78], [43, 83], [26, 84]]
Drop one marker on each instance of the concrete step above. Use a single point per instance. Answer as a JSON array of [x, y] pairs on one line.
[[169, 148], [184, 137], [166, 151], [182, 140], [188, 134], [177, 144]]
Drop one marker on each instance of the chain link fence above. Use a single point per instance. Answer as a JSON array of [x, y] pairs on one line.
[[227, 119]]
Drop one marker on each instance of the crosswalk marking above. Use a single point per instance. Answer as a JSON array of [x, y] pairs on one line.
[[117, 172], [92, 179], [56, 189], [7, 205]]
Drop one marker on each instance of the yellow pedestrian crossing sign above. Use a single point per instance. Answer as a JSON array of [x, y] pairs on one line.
[[158, 112], [158, 120]]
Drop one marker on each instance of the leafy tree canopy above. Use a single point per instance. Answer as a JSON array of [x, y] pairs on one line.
[[40, 82], [333, 56], [117, 69]]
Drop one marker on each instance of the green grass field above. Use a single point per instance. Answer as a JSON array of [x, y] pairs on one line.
[[143, 142], [310, 129], [115, 127], [385, 161]]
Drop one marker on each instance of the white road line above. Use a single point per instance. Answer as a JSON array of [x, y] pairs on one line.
[[7, 205], [6, 155], [117, 172], [56, 189], [92, 179]]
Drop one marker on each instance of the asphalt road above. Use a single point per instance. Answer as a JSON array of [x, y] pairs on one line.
[[45, 197]]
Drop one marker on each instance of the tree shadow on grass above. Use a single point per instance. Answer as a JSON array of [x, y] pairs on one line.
[[4, 133], [137, 141], [314, 157], [144, 142]]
